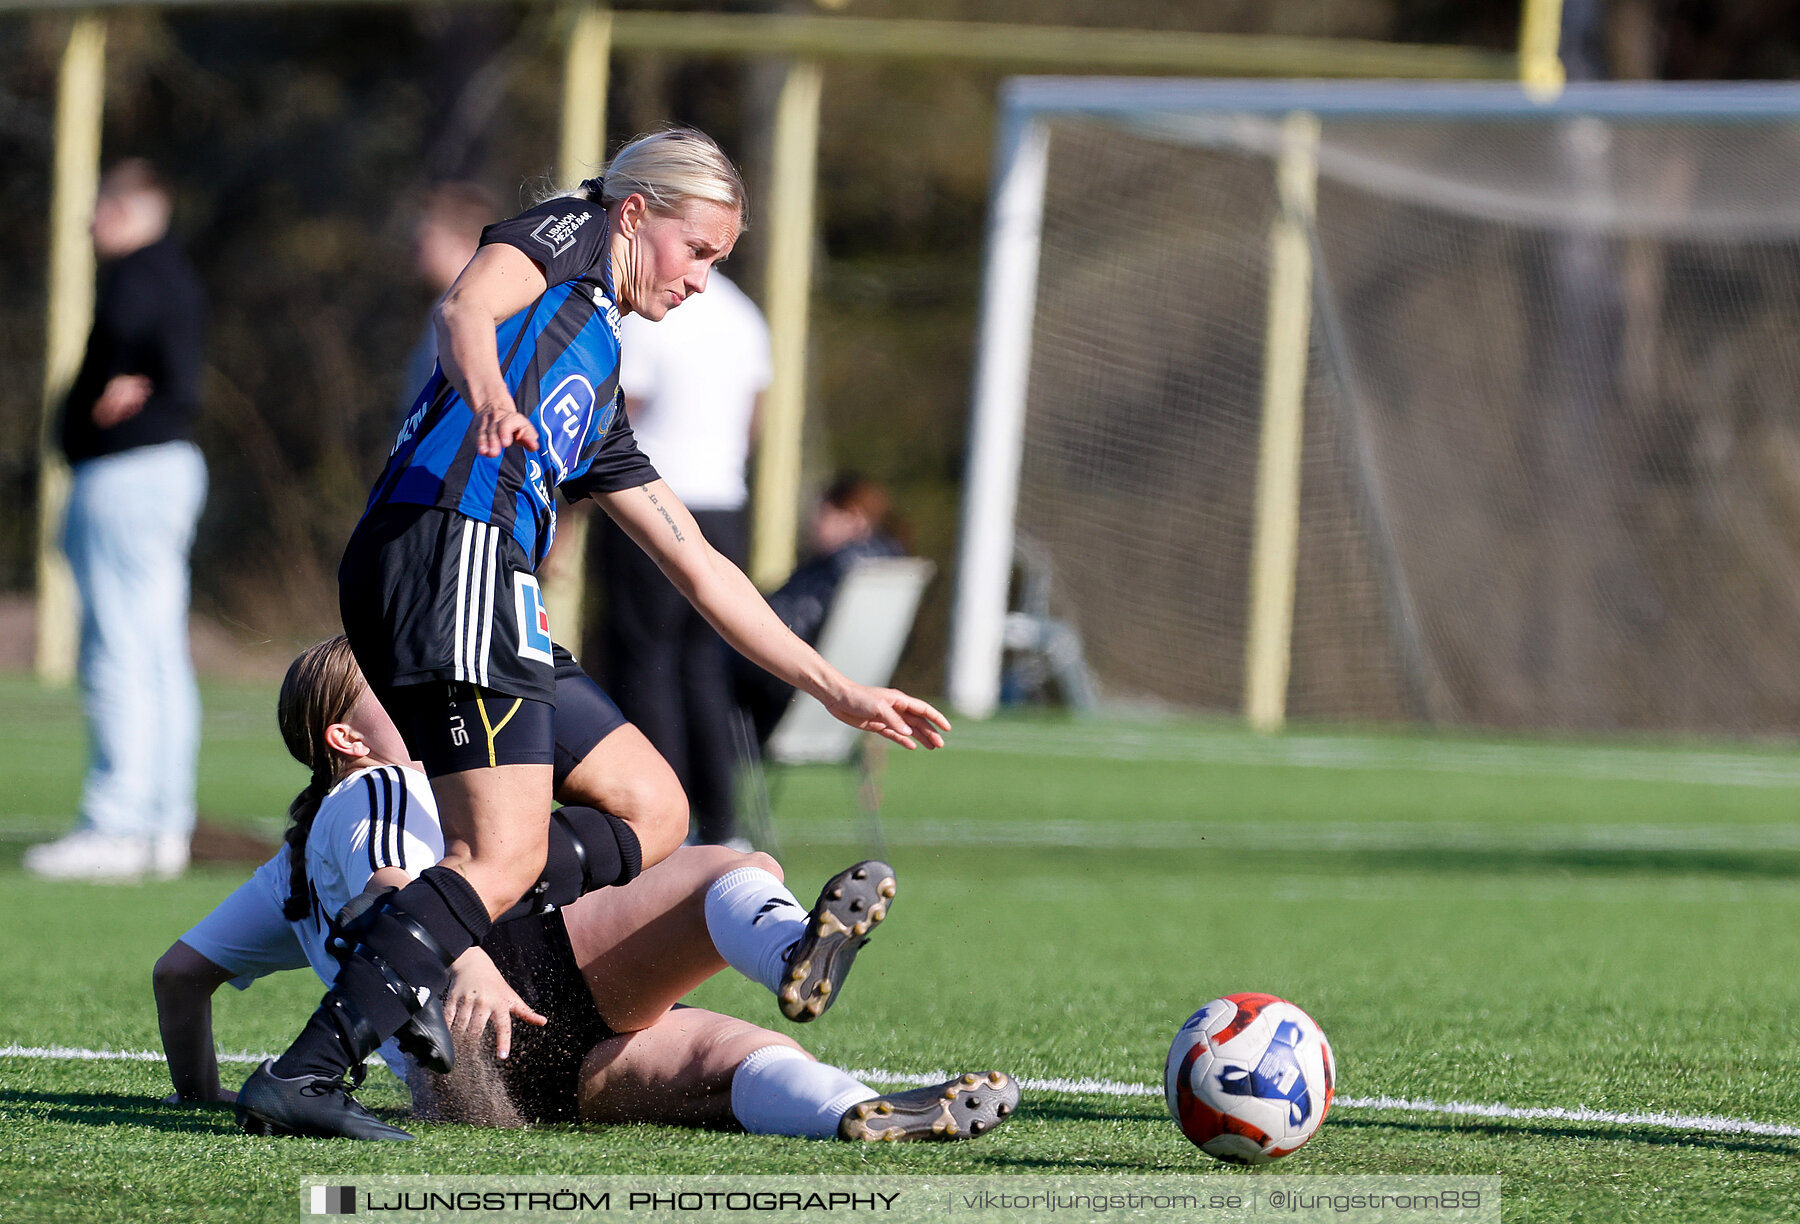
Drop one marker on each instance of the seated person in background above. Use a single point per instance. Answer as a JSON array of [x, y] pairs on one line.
[[596, 983], [854, 520]]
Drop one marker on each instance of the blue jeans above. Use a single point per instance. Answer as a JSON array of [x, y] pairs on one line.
[[130, 526]]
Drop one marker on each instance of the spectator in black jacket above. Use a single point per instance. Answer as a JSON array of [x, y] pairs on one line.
[[138, 483]]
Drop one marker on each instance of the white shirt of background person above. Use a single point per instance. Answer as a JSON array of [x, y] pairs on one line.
[[692, 381]]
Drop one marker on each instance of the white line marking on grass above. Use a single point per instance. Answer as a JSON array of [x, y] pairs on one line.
[[1090, 1086], [1700, 1122], [1086, 1084], [76, 1054], [1101, 1087], [1407, 835], [1649, 763]]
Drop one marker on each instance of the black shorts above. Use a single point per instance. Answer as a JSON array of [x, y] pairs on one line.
[[391, 591], [432, 596], [543, 1073], [585, 715]]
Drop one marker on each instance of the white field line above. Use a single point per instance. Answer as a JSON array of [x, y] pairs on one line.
[[1611, 763], [1087, 1085], [1398, 835], [76, 1054], [1413, 835]]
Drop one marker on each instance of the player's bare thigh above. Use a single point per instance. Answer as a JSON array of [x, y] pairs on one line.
[[677, 1071], [624, 774], [642, 947], [496, 828]]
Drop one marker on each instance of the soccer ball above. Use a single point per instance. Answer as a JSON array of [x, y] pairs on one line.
[[1249, 1078]]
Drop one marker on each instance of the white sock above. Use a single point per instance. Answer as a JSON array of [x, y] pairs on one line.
[[780, 1091], [753, 920]]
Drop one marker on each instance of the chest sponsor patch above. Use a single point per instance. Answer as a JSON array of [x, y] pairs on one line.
[[567, 411], [558, 232]]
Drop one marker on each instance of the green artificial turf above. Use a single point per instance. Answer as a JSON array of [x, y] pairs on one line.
[[1611, 927]]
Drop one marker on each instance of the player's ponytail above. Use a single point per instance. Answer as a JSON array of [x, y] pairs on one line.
[[320, 687]]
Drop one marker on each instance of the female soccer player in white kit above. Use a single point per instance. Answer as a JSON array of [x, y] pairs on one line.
[[595, 982]]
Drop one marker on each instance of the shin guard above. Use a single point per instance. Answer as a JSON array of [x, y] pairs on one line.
[[412, 967]]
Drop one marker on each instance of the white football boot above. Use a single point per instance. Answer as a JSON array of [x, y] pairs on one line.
[[169, 855], [87, 854]]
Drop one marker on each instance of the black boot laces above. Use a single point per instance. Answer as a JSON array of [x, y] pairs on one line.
[[346, 1083]]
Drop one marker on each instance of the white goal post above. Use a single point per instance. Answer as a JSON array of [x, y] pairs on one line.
[[1483, 268]]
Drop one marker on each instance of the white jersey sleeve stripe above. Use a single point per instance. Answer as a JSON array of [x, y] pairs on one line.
[[381, 800], [378, 829], [392, 852], [401, 798], [389, 814]]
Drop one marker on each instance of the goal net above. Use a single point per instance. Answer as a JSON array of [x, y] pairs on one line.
[[1547, 399]]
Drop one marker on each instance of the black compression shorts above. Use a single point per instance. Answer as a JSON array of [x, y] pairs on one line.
[[450, 728], [585, 715], [543, 1073], [453, 727]]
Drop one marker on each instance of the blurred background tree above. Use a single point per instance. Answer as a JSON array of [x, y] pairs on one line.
[[299, 139]]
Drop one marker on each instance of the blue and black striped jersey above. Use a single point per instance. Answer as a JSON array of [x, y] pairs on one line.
[[560, 357]]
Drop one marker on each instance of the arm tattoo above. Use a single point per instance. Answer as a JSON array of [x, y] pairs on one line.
[[667, 517]]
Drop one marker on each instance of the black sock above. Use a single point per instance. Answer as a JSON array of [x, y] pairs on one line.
[[319, 1050], [447, 907], [451, 912]]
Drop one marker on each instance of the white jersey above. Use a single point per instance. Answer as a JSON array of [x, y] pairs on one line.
[[379, 817], [691, 380]]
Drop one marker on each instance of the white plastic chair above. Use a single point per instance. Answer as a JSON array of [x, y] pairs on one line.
[[865, 630]]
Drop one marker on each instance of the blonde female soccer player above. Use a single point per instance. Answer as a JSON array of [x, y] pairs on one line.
[[437, 589]]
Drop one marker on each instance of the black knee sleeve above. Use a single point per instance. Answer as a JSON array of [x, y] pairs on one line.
[[603, 848], [589, 849]]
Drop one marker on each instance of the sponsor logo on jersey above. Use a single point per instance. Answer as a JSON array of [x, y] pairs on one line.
[[411, 426], [567, 410], [558, 233], [534, 619]]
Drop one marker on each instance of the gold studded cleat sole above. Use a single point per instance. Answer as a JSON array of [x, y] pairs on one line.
[[852, 903], [963, 1108]]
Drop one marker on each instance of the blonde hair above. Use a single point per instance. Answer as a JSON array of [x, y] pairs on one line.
[[320, 688], [670, 169]]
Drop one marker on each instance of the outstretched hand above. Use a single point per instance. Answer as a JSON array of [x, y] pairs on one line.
[[479, 996], [499, 424], [891, 714]]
